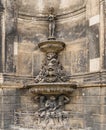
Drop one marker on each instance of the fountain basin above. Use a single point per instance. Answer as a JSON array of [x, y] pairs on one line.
[[51, 46], [52, 88]]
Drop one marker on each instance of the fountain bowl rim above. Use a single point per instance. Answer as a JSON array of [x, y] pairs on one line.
[[51, 46]]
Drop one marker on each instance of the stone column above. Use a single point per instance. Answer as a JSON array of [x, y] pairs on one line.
[[9, 53], [2, 108], [102, 35], [93, 17], [11, 32], [1, 39]]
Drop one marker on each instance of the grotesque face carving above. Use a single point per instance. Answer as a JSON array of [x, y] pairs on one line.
[[52, 70], [51, 55], [52, 64]]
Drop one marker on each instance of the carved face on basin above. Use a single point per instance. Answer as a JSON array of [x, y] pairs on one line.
[[52, 62], [52, 98], [51, 55]]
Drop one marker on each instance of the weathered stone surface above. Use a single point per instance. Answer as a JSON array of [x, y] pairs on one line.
[[38, 58], [93, 39], [83, 109], [41, 7], [0, 47], [77, 63], [105, 40], [87, 104], [75, 29], [92, 8], [23, 59]]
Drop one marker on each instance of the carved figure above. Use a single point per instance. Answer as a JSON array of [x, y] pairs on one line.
[[50, 104], [62, 101], [49, 116], [51, 19]]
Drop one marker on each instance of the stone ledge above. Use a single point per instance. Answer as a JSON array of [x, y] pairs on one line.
[[96, 79], [11, 86], [42, 17], [20, 86]]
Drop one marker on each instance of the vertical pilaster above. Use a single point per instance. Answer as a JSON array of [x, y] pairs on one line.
[[2, 112], [3, 42], [102, 35], [1, 37], [11, 32], [9, 53]]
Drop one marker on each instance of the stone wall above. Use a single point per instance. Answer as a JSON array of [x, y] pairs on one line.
[[8, 103], [81, 25], [78, 29], [87, 106]]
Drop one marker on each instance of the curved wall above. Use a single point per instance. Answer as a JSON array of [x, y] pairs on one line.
[[40, 7], [70, 28], [80, 31]]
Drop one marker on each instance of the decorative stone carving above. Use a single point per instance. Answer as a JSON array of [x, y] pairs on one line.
[[52, 103], [52, 70], [49, 89], [51, 114], [51, 19], [51, 110], [52, 87]]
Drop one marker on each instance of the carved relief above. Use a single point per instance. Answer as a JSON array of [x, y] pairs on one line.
[[50, 92], [51, 19], [50, 114], [51, 111], [52, 70]]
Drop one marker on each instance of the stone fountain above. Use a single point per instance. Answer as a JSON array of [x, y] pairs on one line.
[[50, 88]]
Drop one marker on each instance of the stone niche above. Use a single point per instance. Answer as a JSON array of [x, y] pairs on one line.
[[41, 7], [31, 32], [87, 104]]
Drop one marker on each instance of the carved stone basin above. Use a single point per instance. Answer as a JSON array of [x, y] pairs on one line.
[[51, 46], [52, 88]]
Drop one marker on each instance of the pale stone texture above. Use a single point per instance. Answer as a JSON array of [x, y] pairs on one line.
[[94, 64], [94, 20]]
